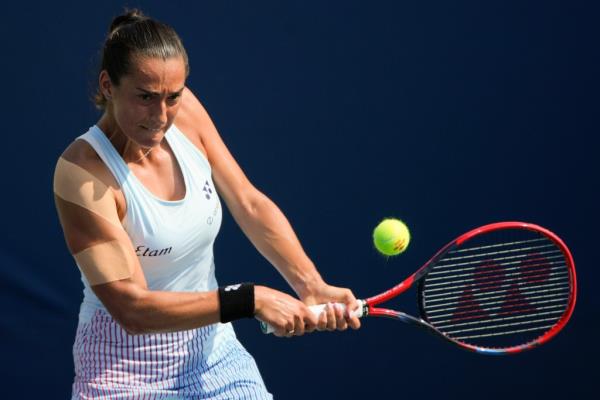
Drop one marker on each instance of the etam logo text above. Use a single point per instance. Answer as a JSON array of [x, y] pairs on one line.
[[143, 251]]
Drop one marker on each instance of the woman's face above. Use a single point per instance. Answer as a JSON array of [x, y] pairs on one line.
[[145, 102]]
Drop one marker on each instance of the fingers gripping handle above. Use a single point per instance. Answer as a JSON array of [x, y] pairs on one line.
[[317, 309]]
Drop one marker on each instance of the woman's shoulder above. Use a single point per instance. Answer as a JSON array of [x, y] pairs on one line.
[[188, 119], [82, 154]]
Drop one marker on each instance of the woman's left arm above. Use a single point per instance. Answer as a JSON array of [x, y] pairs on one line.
[[265, 225]]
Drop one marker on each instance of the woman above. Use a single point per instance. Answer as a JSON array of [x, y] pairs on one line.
[[137, 200]]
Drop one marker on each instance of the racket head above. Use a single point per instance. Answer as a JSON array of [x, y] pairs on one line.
[[499, 289]]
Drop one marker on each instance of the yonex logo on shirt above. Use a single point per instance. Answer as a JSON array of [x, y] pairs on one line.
[[207, 190], [232, 287]]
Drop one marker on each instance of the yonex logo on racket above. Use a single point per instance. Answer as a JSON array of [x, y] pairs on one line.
[[494, 287]]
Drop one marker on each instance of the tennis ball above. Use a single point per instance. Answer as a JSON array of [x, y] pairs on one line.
[[391, 237]]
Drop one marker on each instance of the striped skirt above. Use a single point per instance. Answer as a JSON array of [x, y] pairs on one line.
[[203, 363]]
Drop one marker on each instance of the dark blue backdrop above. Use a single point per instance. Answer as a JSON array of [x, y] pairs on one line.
[[446, 114]]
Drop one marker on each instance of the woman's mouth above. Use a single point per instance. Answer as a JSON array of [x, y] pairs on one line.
[[152, 129]]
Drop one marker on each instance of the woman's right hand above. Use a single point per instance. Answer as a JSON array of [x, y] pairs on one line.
[[288, 315]]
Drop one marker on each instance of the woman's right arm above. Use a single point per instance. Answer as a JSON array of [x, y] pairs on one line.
[[85, 199]]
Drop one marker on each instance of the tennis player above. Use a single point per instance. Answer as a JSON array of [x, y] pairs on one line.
[[138, 197]]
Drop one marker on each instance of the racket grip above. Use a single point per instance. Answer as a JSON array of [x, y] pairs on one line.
[[317, 309]]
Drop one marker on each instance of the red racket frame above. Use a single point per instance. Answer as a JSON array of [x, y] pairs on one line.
[[371, 302]]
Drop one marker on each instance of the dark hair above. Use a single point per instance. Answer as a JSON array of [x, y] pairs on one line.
[[134, 35]]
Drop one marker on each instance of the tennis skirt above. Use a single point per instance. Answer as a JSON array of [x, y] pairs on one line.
[[204, 363]]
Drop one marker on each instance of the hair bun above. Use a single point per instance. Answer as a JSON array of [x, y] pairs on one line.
[[129, 17]]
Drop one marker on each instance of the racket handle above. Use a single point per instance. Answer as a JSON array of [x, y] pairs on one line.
[[317, 309]]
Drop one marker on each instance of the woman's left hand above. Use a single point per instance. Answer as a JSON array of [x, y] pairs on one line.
[[333, 317]]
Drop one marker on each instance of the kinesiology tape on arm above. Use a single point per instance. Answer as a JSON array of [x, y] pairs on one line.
[[88, 213]]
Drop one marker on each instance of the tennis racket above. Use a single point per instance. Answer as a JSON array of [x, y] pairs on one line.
[[499, 289]]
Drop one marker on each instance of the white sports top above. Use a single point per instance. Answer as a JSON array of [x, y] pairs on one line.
[[172, 239]]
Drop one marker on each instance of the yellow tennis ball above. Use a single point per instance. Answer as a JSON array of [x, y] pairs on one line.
[[391, 237]]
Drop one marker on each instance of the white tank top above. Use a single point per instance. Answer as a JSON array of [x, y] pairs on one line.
[[173, 240]]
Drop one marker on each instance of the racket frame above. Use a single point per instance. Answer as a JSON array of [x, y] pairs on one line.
[[370, 309]]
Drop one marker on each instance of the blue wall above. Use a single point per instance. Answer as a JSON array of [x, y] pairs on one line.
[[447, 114]]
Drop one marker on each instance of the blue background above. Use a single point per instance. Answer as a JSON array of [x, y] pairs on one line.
[[448, 115]]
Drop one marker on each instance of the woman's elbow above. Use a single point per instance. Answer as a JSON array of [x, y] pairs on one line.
[[135, 329], [133, 325], [257, 204], [128, 311], [129, 319]]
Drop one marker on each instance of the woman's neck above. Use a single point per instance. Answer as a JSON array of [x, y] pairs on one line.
[[129, 150]]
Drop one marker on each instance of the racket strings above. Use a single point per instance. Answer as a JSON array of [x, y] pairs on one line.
[[496, 253], [496, 305], [501, 275], [504, 333], [499, 316], [518, 257], [548, 282], [508, 290]]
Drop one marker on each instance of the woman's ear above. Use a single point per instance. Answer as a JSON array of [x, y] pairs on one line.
[[105, 84]]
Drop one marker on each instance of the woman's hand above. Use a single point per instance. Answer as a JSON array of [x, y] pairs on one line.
[[289, 316], [333, 317]]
